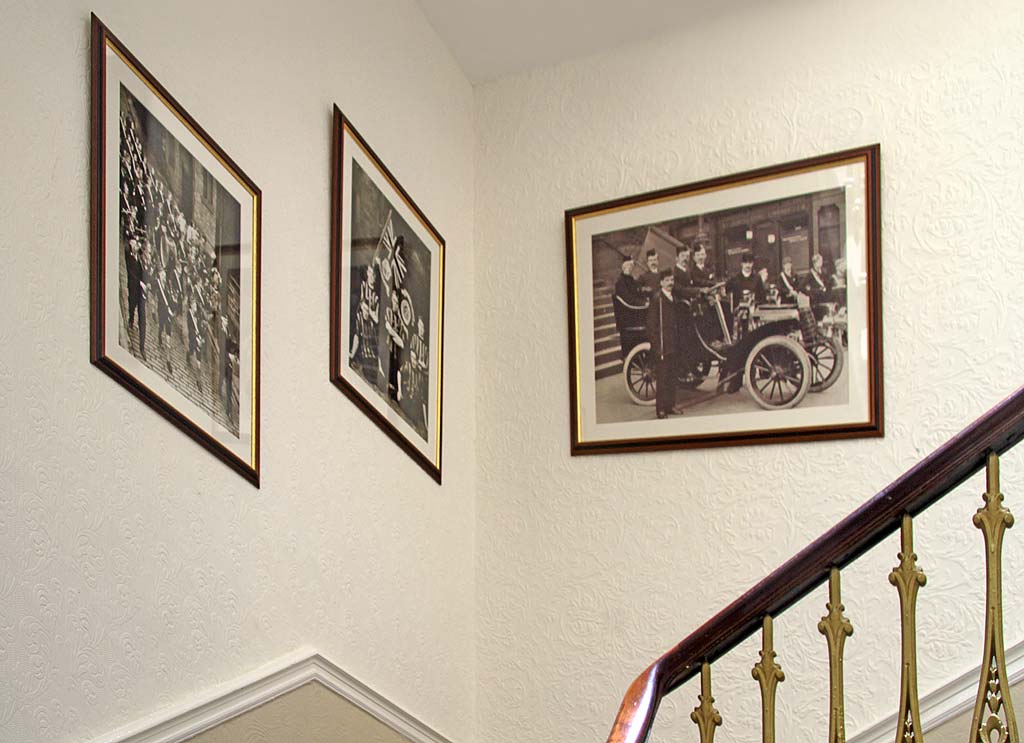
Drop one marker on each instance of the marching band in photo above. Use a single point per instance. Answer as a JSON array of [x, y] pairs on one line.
[[180, 233], [389, 313]]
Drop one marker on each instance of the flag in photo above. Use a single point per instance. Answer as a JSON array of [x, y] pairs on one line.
[[393, 245]]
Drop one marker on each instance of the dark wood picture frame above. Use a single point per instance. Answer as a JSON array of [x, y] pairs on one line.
[[813, 211], [215, 269], [415, 285]]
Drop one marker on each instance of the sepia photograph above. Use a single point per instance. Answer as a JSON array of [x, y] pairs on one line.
[[386, 301], [175, 261], [723, 312]]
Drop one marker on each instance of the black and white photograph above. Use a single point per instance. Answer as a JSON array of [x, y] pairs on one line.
[[179, 272], [175, 260], [387, 268], [732, 312], [389, 307]]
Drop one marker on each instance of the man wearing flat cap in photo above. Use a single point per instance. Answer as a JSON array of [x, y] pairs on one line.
[[663, 331]]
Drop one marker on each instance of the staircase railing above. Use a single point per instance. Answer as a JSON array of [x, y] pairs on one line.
[[979, 445]]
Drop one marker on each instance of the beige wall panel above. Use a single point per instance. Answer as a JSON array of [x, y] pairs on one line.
[[311, 714]]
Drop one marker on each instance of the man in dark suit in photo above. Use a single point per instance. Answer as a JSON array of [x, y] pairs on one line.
[[663, 332], [138, 280], [685, 294], [815, 283], [629, 304], [745, 285], [701, 273], [651, 279], [681, 271]]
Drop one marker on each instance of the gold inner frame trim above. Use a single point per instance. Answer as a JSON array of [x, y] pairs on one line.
[[256, 237], [576, 332], [440, 329]]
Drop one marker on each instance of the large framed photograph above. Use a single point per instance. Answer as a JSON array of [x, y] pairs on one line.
[[738, 310], [175, 260], [387, 300]]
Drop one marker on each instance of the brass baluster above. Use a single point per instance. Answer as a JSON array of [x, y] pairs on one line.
[[908, 578], [993, 690], [768, 674], [836, 629], [705, 714]]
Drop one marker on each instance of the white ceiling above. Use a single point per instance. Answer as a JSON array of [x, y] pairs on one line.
[[491, 38]]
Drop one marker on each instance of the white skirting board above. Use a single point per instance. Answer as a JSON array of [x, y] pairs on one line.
[[946, 702], [286, 674]]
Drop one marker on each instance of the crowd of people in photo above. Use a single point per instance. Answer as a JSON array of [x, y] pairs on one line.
[[656, 304], [172, 268], [389, 344]]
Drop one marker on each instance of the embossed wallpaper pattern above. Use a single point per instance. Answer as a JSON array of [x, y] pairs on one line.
[[590, 567], [136, 570]]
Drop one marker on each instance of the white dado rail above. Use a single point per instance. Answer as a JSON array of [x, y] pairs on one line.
[[225, 702]]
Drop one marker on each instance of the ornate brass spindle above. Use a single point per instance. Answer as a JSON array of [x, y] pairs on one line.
[[768, 674], [908, 578], [705, 714], [836, 629], [993, 690]]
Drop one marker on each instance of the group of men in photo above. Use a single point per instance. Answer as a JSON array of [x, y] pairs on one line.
[[389, 345], [655, 304], [171, 267]]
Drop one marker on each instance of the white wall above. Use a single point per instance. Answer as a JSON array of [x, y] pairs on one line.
[[135, 568], [590, 567]]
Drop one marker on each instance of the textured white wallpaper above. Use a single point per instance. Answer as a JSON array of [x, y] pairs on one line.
[[136, 570], [590, 567]]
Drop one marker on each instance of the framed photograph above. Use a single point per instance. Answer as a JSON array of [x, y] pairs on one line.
[[738, 310], [387, 300], [175, 260]]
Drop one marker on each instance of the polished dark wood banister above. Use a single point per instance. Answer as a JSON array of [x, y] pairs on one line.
[[921, 486]]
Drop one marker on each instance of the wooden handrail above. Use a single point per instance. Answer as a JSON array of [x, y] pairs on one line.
[[996, 431]]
